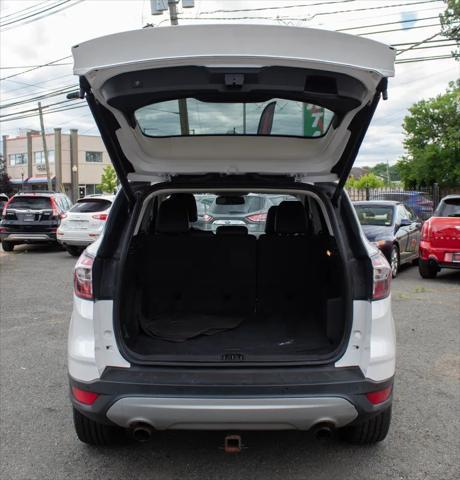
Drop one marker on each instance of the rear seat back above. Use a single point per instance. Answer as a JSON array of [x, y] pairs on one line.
[[191, 273], [286, 265]]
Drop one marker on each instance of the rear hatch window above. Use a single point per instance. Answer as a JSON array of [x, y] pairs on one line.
[[90, 206], [30, 203], [272, 117], [449, 208]]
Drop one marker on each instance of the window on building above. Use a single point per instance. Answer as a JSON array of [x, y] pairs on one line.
[[94, 157], [39, 157], [18, 159]]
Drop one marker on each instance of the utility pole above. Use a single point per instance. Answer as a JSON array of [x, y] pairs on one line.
[[45, 148], [388, 173], [183, 111]]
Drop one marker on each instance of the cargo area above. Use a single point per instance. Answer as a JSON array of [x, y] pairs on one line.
[[217, 293]]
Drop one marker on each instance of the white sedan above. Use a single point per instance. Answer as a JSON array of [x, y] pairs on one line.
[[84, 223]]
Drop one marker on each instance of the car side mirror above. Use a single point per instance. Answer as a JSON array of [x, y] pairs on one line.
[[405, 222]]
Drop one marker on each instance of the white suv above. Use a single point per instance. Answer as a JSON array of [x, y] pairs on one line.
[[174, 327]]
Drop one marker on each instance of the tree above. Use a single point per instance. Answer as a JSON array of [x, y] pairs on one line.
[[366, 181], [450, 24], [5, 183], [382, 169], [432, 141], [108, 180]]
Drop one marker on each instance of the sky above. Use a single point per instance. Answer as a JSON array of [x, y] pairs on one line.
[[28, 43]]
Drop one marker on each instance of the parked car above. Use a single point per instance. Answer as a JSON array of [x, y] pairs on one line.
[[178, 329], [440, 242], [419, 202], [84, 222], [249, 211], [32, 217], [3, 201], [392, 227]]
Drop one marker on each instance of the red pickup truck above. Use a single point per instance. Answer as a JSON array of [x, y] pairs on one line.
[[440, 238]]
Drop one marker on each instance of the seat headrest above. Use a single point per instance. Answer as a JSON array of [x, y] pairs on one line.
[[291, 218], [172, 217], [271, 217], [189, 202], [231, 230]]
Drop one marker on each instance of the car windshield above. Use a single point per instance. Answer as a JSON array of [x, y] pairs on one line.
[[91, 205], [449, 208], [273, 117], [375, 215], [30, 203]]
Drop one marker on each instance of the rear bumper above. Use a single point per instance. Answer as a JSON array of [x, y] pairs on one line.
[[79, 239], [28, 237], [437, 256], [250, 399]]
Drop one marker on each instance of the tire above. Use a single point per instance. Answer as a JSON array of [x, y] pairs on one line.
[[74, 251], [370, 431], [93, 433], [7, 246], [426, 269], [395, 261]]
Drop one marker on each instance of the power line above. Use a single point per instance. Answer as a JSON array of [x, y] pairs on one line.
[[387, 23], [274, 8], [418, 43], [35, 68], [54, 93], [18, 12], [35, 13], [46, 112], [312, 5], [423, 59], [57, 10]]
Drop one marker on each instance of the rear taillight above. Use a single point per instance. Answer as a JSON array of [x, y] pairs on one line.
[[382, 276], [207, 218], [83, 396], [64, 215], [83, 277], [380, 395], [426, 232], [257, 217], [54, 207], [6, 206], [100, 216]]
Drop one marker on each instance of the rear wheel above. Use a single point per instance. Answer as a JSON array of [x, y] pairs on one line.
[[427, 269], [7, 246], [371, 431], [74, 251], [93, 433], [394, 260]]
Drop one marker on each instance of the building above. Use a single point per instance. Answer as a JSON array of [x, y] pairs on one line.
[[76, 162]]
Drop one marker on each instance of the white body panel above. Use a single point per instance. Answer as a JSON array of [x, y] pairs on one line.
[[233, 46], [92, 344]]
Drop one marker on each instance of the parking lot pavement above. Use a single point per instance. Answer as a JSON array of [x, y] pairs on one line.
[[37, 440]]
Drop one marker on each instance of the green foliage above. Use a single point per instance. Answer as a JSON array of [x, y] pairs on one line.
[[108, 180], [382, 170], [433, 141], [369, 180], [5, 184], [450, 24]]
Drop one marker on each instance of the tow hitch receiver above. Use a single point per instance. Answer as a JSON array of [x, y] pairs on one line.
[[232, 444]]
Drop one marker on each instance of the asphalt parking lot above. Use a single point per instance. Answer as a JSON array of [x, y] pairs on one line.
[[37, 439]]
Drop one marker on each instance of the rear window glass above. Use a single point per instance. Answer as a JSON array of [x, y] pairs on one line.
[[374, 215], [273, 117], [449, 208], [93, 205], [30, 203], [251, 204]]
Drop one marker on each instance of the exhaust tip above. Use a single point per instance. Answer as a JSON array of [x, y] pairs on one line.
[[323, 431], [142, 432]]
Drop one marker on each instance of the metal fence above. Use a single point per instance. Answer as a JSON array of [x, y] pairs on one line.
[[423, 200]]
